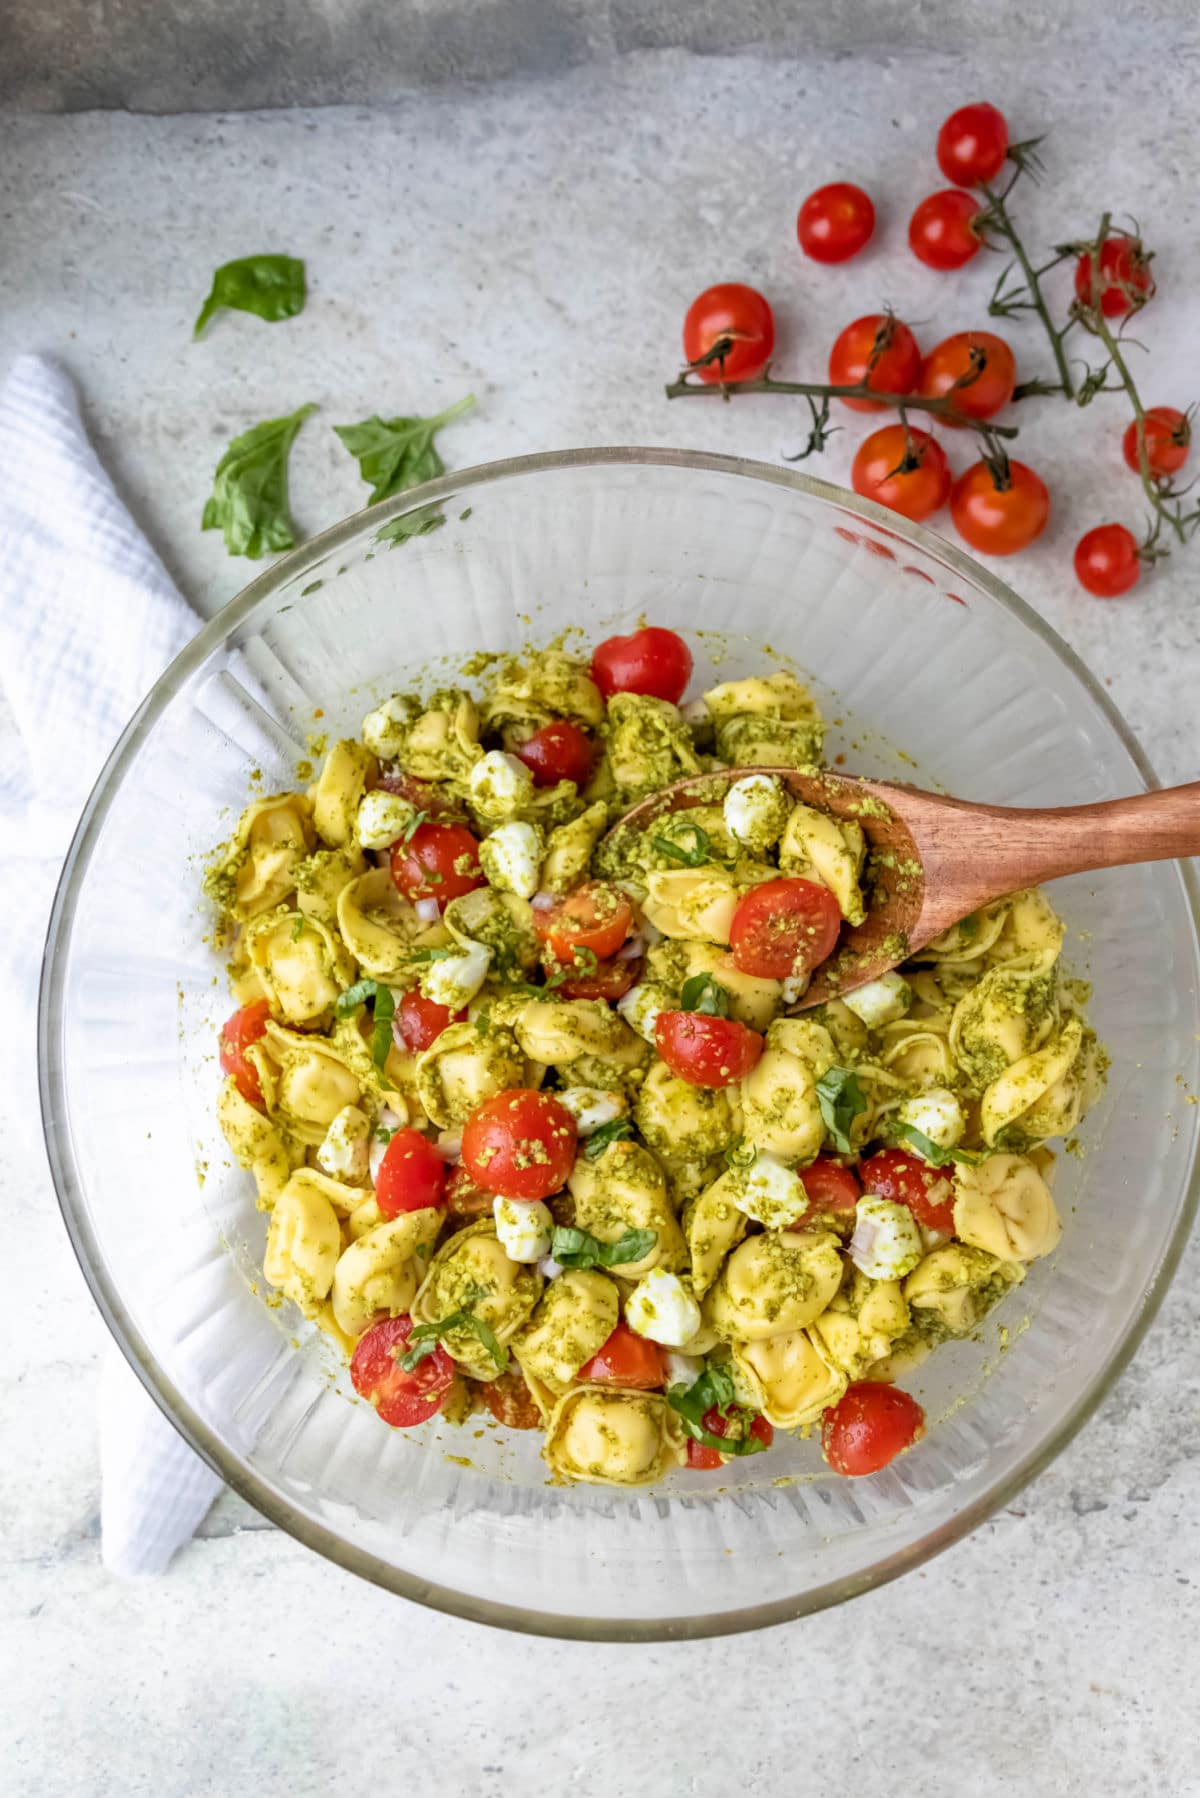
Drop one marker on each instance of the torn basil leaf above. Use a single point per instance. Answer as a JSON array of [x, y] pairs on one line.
[[618, 1131], [931, 1151], [704, 994], [841, 1100], [271, 287], [692, 855], [714, 1390], [572, 1247], [249, 501], [397, 453]]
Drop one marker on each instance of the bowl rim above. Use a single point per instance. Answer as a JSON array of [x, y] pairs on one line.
[[69, 1186]]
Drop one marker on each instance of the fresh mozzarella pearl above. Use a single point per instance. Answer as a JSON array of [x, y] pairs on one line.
[[640, 1008], [344, 1153], [524, 1229], [881, 1001], [511, 857], [661, 1307], [683, 1370], [384, 729], [756, 810], [937, 1114], [770, 1192], [454, 981], [592, 1106], [499, 783], [387, 1121], [794, 987], [382, 818], [886, 1243]]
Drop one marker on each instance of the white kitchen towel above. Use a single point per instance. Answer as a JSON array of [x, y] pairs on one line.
[[89, 619]]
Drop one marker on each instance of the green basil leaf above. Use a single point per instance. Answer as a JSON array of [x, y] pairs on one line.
[[249, 501], [704, 994], [740, 1153], [714, 1388], [272, 287], [427, 1336], [694, 856], [572, 1247], [598, 1141], [932, 1152], [585, 962], [383, 1134], [410, 830], [841, 1100], [381, 1037], [397, 453], [353, 997]]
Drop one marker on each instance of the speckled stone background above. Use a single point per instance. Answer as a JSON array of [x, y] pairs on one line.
[[537, 241]]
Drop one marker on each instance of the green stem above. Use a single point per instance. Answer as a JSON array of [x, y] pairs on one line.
[[858, 390], [999, 216]]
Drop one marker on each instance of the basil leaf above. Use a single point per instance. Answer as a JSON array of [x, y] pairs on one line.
[[841, 1100], [353, 997], [383, 1134], [381, 1037], [397, 453], [427, 1336], [272, 287], [714, 1389], [410, 830], [932, 1152], [704, 994], [585, 962], [572, 1247], [618, 1131], [693, 857], [740, 1153], [249, 500]]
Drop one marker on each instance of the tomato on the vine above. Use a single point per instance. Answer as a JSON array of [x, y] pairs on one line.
[[401, 1398], [944, 231], [245, 1027], [835, 222], [653, 661], [906, 470], [782, 929], [626, 1359], [1126, 282], [412, 1175], [734, 314], [1168, 438], [422, 1020], [975, 370], [439, 861], [520, 1144], [972, 144], [1107, 562], [869, 1426], [595, 918], [905, 1179], [704, 1050], [829, 1186], [880, 350], [558, 751], [999, 516]]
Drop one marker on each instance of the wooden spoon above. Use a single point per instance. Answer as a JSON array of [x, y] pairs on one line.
[[932, 861]]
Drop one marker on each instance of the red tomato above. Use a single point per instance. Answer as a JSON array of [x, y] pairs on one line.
[[439, 861], [237, 1033], [907, 1180], [466, 1202], [510, 1402], [412, 1175], [784, 928], [975, 369], [733, 314], [869, 1426], [558, 751], [700, 1455], [1126, 282], [423, 1020], [718, 1425], [877, 349], [1168, 438], [595, 916], [1107, 561], [835, 222], [829, 1186], [609, 980], [652, 661], [626, 1359], [401, 1399], [941, 232], [972, 145], [906, 471], [999, 520], [706, 1051], [521, 1144], [424, 795]]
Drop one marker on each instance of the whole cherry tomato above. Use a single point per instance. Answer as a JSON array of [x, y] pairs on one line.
[[880, 350], [731, 314], [999, 518], [835, 222], [869, 1426], [595, 917], [905, 1179], [439, 861], [521, 1144], [1126, 282], [943, 232], [906, 470], [784, 928], [974, 369], [1168, 439], [1107, 561], [412, 1175], [558, 751], [422, 1020], [653, 661], [402, 1399], [245, 1027], [706, 1051], [972, 145], [829, 1186], [626, 1359]]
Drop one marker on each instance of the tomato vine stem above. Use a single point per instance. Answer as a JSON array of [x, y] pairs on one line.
[[941, 407]]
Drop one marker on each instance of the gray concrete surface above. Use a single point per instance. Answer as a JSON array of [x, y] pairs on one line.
[[539, 243]]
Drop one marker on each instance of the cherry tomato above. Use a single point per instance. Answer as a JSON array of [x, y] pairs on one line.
[[999, 520], [835, 222], [558, 751], [829, 1186], [941, 232], [595, 916], [510, 1402], [1126, 282], [412, 1175], [521, 1144], [423, 1020], [424, 795], [1107, 561], [609, 980], [706, 1051], [972, 145], [626, 1359], [1168, 438], [907, 1180], [237, 1033], [653, 661], [465, 1202], [784, 928], [401, 1399], [734, 314], [439, 861], [975, 369], [869, 1426], [719, 1425], [700, 1455], [906, 471], [877, 349]]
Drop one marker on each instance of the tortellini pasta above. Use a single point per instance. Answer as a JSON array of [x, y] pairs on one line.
[[381, 1269], [625, 1189], [956, 1285], [303, 966], [676, 1118], [714, 1224], [258, 867], [774, 1283], [471, 1273], [304, 1241], [575, 1317], [443, 743], [817, 847], [613, 1438], [789, 1378], [781, 1111], [648, 745], [464, 1067], [339, 789], [1004, 1206]]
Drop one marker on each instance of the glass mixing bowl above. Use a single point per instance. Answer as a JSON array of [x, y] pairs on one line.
[[914, 651]]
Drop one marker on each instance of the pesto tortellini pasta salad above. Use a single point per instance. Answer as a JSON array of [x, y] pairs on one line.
[[537, 1117]]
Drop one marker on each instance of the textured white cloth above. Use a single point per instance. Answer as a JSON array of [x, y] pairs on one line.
[[88, 621]]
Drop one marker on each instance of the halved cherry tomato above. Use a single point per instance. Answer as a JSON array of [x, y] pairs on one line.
[[510, 1402], [596, 916], [700, 1455], [412, 1175], [906, 470], [1126, 282], [829, 1186], [465, 1202], [784, 928], [422, 1020], [653, 661], [734, 314], [880, 350], [424, 795], [1168, 438], [906, 1180], [706, 1051], [835, 222], [869, 1426], [626, 1359], [976, 370], [439, 861], [237, 1033], [609, 980], [999, 517], [1107, 562], [944, 231], [972, 144], [521, 1144], [558, 751], [401, 1399]]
